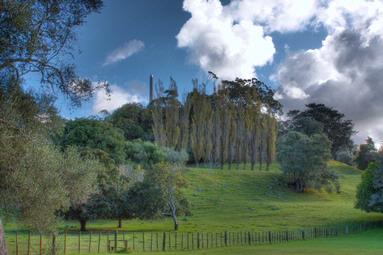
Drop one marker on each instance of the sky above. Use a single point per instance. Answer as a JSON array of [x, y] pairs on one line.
[[323, 51]]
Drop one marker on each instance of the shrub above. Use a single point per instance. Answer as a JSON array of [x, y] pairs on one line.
[[304, 161]]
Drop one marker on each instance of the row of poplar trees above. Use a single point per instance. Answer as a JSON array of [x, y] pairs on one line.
[[237, 124]]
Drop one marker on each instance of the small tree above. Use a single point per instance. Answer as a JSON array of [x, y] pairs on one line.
[[369, 195], [366, 154], [304, 161], [159, 194]]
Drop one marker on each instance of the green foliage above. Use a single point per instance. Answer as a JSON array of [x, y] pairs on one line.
[[37, 36], [95, 137], [345, 156], [337, 129], [370, 191], [134, 120], [304, 159], [148, 154], [366, 154], [159, 194], [235, 124]]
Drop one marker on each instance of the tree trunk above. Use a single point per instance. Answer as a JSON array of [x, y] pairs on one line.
[[3, 247], [176, 225], [82, 225], [119, 223]]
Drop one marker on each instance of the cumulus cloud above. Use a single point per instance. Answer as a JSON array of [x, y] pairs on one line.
[[217, 41], [346, 72], [125, 51], [135, 92]]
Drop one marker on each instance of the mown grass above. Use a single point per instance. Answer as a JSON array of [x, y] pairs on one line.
[[250, 200]]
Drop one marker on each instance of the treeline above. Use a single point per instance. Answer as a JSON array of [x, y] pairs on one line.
[[237, 124]]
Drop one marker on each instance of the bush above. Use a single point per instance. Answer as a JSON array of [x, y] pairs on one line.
[[345, 156], [304, 161], [369, 195]]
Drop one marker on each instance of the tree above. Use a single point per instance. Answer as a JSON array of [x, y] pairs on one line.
[[369, 195], [304, 159], [366, 154], [83, 173], [95, 137], [337, 129], [134, 120], [37, 36], [159, 194]]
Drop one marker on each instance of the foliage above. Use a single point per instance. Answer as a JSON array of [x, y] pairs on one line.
[[236, 124], [337, 129], [370, 191], [134, 120], [147, 154], [37, 35], [366, 154], [304, 159], [97, 138], [159, 194], [345, 156]]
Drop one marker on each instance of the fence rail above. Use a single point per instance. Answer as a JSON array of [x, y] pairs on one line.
[[27, 243]]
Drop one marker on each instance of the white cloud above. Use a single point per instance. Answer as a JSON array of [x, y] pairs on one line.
[[127, 50], [275, 15], [134, 93], [346, 72], [219, 42]]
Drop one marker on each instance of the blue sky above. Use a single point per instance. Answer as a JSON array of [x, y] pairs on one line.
[[324, 51], [156, 24]]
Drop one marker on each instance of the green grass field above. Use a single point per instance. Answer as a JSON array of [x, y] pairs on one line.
[[245, 200], [253, 200]]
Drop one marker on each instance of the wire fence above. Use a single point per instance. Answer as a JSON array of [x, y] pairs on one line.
[[28, 243]]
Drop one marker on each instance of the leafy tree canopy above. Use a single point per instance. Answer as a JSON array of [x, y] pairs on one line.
[[36, 36], [95, 137], [334, 125], [370, 191], [134, 120], [304, 159]]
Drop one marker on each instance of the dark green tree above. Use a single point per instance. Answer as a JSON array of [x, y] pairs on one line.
[[95, 137], [369, 195], [304, 159], [159, 194], [366, 154], [134, 120], [335, 126]]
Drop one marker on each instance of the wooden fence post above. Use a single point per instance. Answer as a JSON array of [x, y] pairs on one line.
[[17, 244], [41, 245], [79, 242], [99, 242], [143, 241], [134, 247], [115, 240], [164, 241], [53, 244], [29, 243], [198, 244], [90, 242]]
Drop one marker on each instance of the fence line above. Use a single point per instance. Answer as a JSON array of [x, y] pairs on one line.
[[26, 243]]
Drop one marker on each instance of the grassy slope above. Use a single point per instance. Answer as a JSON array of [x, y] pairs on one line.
[[244, 200]]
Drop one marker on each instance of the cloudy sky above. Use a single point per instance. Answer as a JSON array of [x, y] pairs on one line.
[[324, 51]]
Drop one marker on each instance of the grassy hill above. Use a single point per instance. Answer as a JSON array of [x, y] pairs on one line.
[[257, 200]]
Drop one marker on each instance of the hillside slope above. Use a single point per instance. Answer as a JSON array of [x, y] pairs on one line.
[[259, 200], [237, 200]]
